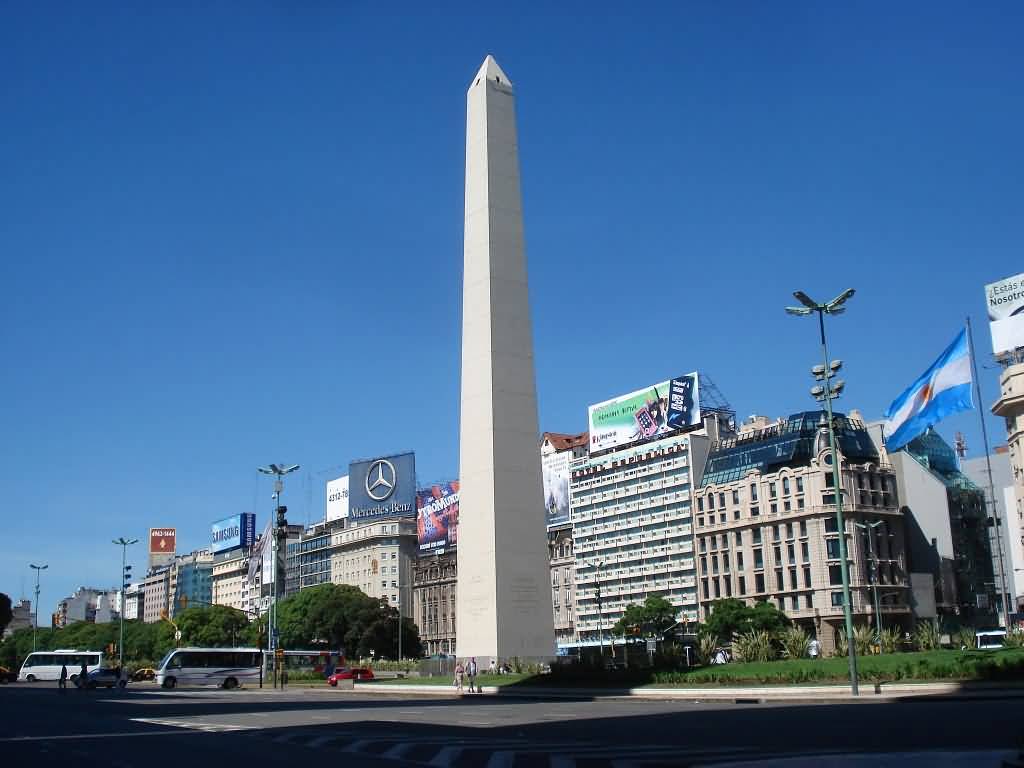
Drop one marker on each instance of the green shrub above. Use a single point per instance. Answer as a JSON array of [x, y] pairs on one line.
[[966, 639], [1015, 638], [890, 640], [754, 646], [795, 642], [863, 639], [926, 636], [707, 644]]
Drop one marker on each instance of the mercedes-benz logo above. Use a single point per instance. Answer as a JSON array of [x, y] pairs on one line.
[[380, 480]]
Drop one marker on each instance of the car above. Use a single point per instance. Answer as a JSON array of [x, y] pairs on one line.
[[350, 673], [105, 677], [143, 673], [6, 676]]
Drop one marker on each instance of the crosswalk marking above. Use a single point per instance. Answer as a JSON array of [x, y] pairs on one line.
[[193, 725]]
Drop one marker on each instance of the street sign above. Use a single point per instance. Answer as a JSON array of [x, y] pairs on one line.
[[177, 634], [652, 644]]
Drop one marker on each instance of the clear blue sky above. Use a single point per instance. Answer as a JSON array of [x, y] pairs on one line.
[[231, 237]]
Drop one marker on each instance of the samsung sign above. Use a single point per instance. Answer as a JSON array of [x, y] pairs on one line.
[[384, 487], [233, 532]]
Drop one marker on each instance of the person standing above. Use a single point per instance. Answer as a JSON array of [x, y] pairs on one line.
[[83, 677], [460, 671], [471, 670], [813, 648], [493, 668], [63, 683]]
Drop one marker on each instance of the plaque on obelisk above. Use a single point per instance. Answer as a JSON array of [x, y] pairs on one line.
[[504, 587]]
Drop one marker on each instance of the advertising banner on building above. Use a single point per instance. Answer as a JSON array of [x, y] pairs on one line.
[[337, 499], [437, 517], [382, 487], [555, 468], [233, 532], [1005, 302], [259, 560], [657, 410], [161, 546]]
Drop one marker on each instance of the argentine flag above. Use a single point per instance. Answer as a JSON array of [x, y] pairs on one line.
[[941, 391]]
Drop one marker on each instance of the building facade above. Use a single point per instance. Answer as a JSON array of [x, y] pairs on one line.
[[435, 579], [155, 592], [88, 604], [309, 558], [632, 530], [21, 617], [947, 531], [132, 598], [377, 557], [563, 583], [1005, 535], [1010, 406], [191, 581], [229, 580], [766, 528]]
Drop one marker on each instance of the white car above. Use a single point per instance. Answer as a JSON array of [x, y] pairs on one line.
[[106, 678]]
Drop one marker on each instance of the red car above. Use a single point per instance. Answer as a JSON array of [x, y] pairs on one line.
[[350, 673]]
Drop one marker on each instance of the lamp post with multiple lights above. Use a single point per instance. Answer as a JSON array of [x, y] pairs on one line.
[[279, 531], [35, 624], [123, 543], [826, 392]]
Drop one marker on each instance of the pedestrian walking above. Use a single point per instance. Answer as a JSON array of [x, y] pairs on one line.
[[460, 672], [83, 677], [493, 668], [63, 683], [471, 670], [814, 648]]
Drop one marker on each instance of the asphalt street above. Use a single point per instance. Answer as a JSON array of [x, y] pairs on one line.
[[145, 726]]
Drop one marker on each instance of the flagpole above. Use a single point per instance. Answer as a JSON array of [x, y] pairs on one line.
[[1004, 598]]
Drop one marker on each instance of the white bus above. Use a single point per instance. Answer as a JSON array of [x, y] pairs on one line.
[[45, 665], [227, 667]]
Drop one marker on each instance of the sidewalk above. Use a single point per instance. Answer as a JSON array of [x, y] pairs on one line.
[[869, 692]]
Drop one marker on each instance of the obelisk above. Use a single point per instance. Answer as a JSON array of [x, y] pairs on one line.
[[504, 587]]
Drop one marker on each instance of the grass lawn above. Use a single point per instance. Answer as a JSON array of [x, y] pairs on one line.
[[921, 666]]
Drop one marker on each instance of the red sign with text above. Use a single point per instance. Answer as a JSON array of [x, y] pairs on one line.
[[161, 540]]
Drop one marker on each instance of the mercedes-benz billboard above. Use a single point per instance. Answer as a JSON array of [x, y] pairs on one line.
[[382, 487]]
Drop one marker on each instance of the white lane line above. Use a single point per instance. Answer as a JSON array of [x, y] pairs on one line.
[[68, 736]]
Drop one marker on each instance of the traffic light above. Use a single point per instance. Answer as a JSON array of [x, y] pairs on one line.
[[281, 512], [183, 602], [127, 575]]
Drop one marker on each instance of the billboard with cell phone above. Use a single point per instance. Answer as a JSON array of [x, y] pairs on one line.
[[646, 413]]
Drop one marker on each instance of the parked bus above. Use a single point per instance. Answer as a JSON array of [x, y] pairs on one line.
[[226, 667], [45, 665]]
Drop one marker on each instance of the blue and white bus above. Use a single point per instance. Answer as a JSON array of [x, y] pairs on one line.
[[226, 667]]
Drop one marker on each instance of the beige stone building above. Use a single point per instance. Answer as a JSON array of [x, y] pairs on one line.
[[765, 525], [1010, 406], [155, 591], [377, 557], [563, 582], [434, 599], [230, 579]]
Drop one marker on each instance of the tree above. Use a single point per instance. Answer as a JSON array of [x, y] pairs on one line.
[[6, 614], [341, 616], [652, 619], [212, 626], [731, 616]]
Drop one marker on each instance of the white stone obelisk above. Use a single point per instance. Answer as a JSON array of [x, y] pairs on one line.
[[504, 586]]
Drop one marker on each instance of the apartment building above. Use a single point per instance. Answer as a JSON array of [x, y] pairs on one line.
[[632, 528], [562, 565], [377, 557], [434, 579]]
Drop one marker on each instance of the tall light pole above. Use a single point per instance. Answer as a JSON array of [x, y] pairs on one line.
[[35, 624], [826, 392], [278, 471], [124, 544], [600, 609]]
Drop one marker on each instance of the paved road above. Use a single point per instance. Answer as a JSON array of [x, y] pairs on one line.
[[147, 727]]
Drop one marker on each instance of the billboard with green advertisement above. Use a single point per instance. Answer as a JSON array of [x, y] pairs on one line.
[[656, 410]]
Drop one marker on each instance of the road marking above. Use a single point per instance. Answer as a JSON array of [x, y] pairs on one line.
[[194, 725], [68, 736]]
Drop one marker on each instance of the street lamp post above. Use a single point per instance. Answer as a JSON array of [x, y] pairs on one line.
[[600, 610], [869, 531], [124, 544], [35, 624], [826, 392], [278, 471]]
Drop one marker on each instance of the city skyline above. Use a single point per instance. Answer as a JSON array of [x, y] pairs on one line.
[[198, 286]]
